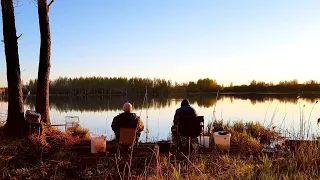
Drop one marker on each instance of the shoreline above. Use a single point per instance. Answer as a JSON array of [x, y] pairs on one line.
[[68, 156]]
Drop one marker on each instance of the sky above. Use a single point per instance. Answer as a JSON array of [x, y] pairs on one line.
[[181, 40]]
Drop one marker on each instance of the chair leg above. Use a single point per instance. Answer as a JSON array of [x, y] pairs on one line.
[[118, 151], [180, 143], [189, 144]]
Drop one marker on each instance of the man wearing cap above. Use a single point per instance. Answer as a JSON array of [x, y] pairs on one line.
[[127, 119]]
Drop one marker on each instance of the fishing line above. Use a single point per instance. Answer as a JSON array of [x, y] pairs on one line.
[[107, 118], [158, 123], [214, 113]]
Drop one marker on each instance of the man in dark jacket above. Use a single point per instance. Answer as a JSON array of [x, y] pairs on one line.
[[183, 115], [127, 119], [184, 110]]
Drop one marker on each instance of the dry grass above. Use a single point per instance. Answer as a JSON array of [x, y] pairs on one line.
[[51, 157], [35, 157], [78, 131]]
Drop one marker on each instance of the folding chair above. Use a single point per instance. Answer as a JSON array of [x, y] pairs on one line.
[[127, 139], [127, 136], [189, 128]]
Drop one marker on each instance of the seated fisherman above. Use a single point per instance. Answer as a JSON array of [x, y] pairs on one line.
[[187, 126], [183, 111], [127, 119]]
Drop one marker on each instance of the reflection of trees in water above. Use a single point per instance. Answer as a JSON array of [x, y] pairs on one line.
[[114, 103], [96, 104], [261, 98], [204, 101]]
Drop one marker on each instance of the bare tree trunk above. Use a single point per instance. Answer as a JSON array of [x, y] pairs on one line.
[[15, 121], [42, 99]]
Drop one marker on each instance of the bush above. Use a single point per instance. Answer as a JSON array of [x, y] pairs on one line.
[[78, 131], [239, 126]]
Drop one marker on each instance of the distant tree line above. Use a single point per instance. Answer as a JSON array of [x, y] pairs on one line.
[[104, 86], [161, 87], [291, 86]]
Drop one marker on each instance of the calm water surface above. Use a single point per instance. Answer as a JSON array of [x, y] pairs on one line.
[[96, 113]]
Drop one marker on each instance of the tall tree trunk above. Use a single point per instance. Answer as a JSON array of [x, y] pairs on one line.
[[42, 100], [15, 121]]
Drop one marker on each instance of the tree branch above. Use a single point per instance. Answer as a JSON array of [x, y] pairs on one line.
[[50, 3], [19, 36]]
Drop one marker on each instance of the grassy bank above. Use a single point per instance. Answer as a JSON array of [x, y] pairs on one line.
[[52, 156]]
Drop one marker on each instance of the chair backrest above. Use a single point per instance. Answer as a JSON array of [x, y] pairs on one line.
[[190, 126], [126, 120], [127, 135]]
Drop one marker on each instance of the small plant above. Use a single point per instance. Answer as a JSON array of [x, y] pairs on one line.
[[218, 125], [266, 171], [239, 126], [253, 129], [78, 131], [242, 143]]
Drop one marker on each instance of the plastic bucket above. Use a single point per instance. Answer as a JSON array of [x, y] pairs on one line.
[[222, 140], [98, 143]]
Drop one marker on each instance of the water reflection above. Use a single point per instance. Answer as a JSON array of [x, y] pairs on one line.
[[114, 103], [96, 113], [97, 104], [262, 98]]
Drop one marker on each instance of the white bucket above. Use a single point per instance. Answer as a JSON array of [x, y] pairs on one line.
[[222, 141], [204, 141], [98, 143]]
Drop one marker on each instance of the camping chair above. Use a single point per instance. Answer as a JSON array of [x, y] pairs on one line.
[[127, 139], [127, 136], [189, 128]]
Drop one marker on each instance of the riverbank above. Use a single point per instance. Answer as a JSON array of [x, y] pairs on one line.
[[58, 155]]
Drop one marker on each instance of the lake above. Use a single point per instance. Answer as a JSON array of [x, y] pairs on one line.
[[287, 113]]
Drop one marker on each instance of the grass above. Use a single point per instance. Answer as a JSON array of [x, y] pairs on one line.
[[51, 156], [78, 131]]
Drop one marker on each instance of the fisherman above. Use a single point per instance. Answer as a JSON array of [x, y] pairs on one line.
[[183, 111], [127, 119]]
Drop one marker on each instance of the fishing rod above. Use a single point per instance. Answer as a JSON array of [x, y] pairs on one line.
[[147, 124], [107, 119], [145, 101], [158, 122], [214, 114]]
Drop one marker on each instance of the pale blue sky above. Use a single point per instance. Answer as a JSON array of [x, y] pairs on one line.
[[182, 40]]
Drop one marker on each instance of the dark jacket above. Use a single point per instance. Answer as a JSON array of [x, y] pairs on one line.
[[126, 120], [185, 110]]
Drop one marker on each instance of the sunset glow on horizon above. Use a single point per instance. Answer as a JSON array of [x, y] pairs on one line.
[[180, 40]]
